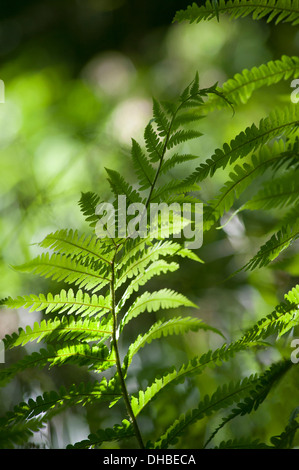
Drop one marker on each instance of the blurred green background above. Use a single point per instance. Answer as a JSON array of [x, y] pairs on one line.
[[79, 79]]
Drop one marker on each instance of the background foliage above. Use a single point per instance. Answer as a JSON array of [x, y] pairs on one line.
[[79, 79]]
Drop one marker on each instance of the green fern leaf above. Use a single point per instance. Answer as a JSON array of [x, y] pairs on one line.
[[242, 443], [144, 258], [20, 423], [182, 136], [153, 144], [286, 438], [95, 358], [154, 301], [257, 394], [79, 303], [66, 329], [174, 326], [278, 10], [273, 156], [277, 193], [174, 187], [224, 397], [186, 117], [239, 89], [194, 367], [19, 434], [277, 123], [175, 160], [273, 247], [154, 269], [64, 268], [161, 119], [120, 187], [280, 321], [143, 168], [70, 242], [118, 432], [88, 203]]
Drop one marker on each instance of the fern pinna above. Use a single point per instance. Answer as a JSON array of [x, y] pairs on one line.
[[107, 277]]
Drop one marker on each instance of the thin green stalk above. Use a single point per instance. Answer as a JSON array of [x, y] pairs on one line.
[[167, 137], [118, 362]]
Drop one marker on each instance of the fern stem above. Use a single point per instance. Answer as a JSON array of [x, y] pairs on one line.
[[167, 137], [118, 362]]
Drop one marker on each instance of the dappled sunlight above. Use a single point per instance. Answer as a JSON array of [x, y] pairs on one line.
[[129, 118]]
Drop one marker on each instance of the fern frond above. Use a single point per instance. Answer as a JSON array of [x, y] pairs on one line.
[[64, 268], [280, 321], [18, 434], [154, 301], [274, 246], [278, 10], [257, 394], [144, 258], [194, 367], [277, 123], [66, 329], [174, 187], [81, 394], [120, 187], [181, 136], [154, 145], [224, 397], [79, 303], [168, 120], [70, 242], [175, 160], [174, 326], [88, 203], [240, 88], [161, 119], [273, 157], [278, 193], [143, 168], [191, 89], [277, 322], [243, 443], [118, 432], [20, 423], [97, 358], [186, 117], [286, 438], [154, 269], [77, 332], [94, 358]]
